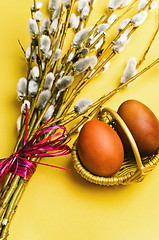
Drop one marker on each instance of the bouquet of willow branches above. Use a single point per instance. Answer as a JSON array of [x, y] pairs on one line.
[[55, 78]]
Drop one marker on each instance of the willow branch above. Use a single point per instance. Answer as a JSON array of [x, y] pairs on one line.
[[104, 98]]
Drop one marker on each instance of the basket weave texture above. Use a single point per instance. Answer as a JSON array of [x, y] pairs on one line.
[[133, 169]]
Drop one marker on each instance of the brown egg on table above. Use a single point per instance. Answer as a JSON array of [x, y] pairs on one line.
[[100, 148], [143, 125]]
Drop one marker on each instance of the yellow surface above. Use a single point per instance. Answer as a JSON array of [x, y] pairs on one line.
[[58, 204]]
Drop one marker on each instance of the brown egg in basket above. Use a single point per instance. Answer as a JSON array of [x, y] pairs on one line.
[[134, 167]]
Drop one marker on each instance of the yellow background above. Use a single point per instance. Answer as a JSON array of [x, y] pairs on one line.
[[59, 204]]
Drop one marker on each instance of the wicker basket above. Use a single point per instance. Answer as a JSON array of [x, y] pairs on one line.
[[133, 169]]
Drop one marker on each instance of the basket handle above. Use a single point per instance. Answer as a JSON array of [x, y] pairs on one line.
[[128, 134]]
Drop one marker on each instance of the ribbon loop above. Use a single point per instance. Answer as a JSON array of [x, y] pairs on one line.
[[20, 162]]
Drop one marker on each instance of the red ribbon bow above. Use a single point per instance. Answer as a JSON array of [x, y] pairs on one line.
[[52, 146]]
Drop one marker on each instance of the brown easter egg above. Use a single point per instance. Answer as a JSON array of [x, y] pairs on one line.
[[100, 148], [143, 125]]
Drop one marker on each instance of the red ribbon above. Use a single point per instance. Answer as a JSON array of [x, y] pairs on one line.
[[52, 146]]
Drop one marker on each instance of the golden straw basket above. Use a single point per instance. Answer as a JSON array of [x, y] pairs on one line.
[[133, 169]]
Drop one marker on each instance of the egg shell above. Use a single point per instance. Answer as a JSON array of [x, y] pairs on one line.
[[100, 148], [143, 125]]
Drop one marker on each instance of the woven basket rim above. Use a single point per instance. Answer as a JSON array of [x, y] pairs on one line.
[[132, 176]]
